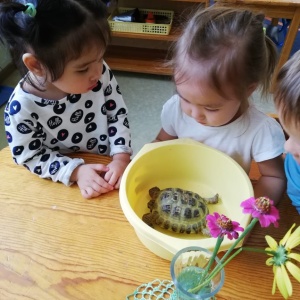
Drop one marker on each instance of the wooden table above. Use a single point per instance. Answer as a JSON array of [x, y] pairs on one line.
[[288, 9], [55, 245]]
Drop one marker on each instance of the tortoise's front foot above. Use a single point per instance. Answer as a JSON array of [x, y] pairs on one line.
[[147, 218]]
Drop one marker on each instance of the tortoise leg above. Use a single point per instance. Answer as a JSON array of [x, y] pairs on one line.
[[205, 231], [151, 204], [153, 192], [213, 200], [148, 219]]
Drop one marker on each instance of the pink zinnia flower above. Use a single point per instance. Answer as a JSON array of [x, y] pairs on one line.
[[263, 209], [220, 225]]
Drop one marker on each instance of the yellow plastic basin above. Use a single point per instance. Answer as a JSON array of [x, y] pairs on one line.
[[189, 165]]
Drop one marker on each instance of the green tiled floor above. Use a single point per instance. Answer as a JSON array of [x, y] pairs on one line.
[[144, 96]]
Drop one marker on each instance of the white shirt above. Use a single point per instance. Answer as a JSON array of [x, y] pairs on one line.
[[253, 136]]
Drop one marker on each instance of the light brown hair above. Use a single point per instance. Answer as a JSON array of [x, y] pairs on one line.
[[287, 91], [231, 45]]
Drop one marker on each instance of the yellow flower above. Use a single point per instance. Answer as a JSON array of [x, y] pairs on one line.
[[283, 259]]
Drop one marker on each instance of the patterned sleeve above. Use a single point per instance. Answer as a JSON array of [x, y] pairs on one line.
[[25, 137], [118, 125]]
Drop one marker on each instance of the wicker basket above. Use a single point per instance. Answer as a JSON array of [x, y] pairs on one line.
[[146, 28]]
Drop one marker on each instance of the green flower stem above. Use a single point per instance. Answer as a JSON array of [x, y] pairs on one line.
[[215, 272], [212, 258], [219, 267], [258, 250], [243, 234], [222, 263]]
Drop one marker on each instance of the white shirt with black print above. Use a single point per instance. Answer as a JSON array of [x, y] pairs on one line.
[[40, 132]]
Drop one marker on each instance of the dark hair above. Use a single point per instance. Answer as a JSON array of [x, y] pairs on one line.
[[232, 46], [287, 91], [59, 32]]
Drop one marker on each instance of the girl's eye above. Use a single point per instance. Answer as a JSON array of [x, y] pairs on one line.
[[211, 109], [184, 100], [83, 71]]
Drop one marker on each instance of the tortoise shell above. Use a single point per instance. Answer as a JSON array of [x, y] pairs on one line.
[[178, 210]]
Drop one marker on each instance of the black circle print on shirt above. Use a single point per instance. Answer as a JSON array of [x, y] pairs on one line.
[[119, 141], [34, 145], [103, 137], [54, 167], [91, 127], [14, 107], [54, 141], [98, 87], [108, 90], [104, 69], [118, 90], [103, 109], [89, 117], [54, 122], [6, 119], [8, 136], [17, 150], [77, 138], [23, 128], [37, 170], [74, 98], [126, 123], [91, 143], [110, 105], [121, 111], [62, 134], [102, 149], [112, 119], [35, 116], [76, 116], [39, 126], [88, 104], [112, 131], [45, 157], [59, 108], [111, 75]]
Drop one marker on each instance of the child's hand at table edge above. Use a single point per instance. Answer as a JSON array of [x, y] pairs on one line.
[[116, 169], [89, 180]]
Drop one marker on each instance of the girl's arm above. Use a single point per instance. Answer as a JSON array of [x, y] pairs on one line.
[[272, 182], [163, 136]]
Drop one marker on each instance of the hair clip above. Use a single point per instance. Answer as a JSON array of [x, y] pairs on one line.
[[30, 10]]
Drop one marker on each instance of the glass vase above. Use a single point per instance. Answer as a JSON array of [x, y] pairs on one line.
[[187, 267]]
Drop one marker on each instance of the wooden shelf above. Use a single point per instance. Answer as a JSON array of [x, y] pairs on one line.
[[149, 52], [192, 1], [140, 60], [173, 36]]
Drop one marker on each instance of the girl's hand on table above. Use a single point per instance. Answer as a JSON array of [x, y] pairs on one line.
[[90, 181], [116, 169]]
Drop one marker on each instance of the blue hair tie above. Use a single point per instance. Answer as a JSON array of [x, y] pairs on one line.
[[30, 10]]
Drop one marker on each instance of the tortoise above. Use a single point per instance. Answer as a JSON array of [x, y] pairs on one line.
[[178, 210]]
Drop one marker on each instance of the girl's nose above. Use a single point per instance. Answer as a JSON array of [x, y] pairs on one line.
[[96, 73], [198, 115]]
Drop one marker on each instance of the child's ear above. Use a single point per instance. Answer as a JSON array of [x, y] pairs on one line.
[[33, 65], [251, 88]]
